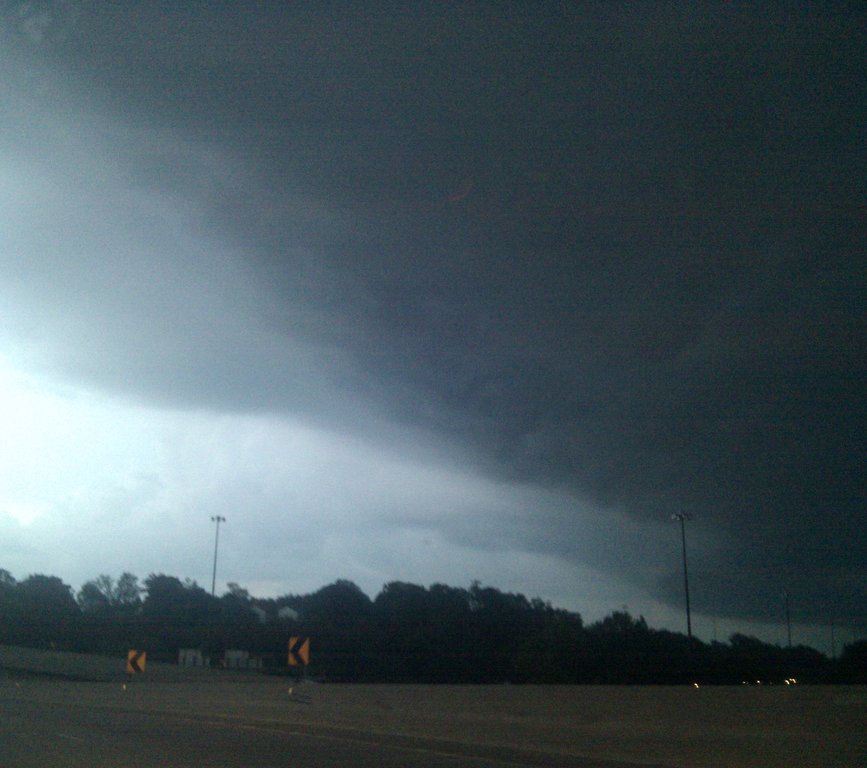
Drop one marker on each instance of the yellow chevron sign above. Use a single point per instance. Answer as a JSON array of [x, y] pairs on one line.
[[299, 651], [135, 661]]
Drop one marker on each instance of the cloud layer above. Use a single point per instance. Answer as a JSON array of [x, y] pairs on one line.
[[580, 268]]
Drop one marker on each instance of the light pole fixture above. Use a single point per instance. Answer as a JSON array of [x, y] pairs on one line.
[[216, 519], [682, 517]]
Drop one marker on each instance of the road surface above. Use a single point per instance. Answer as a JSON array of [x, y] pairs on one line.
[[48, 720], [44, 732]]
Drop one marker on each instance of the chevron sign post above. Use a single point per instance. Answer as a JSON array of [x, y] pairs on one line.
[[299, 651]]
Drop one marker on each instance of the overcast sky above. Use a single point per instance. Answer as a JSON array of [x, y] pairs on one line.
[[440, 292]]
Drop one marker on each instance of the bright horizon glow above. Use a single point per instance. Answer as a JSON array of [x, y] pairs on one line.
[[69, 450]]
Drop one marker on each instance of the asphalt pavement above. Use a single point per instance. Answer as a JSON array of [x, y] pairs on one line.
[[47, 732]]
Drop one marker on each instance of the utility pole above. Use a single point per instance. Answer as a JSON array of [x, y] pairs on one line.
[[216, 519], [682, 517]]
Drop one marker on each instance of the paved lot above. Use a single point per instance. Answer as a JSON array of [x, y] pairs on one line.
[[41, 735], [256, 721], [45, 725]]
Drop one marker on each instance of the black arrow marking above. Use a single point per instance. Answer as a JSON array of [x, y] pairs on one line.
[[296, 645], [133, 661]]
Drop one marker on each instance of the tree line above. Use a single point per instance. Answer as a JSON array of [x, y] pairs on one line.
[[407, 633]]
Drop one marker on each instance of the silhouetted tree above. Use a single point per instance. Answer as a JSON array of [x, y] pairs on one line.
[[339, 617], [104, 594], [555, 652], [178, 615], [92, 599], [853, 663], [619, 647], [422, 635], [408, 633], [48, 610], [341, 601], [127, 592], [237, 592], [754, 659], [7, 581], [11, 624]]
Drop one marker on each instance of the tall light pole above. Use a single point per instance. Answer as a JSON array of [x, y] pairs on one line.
[[216, 519], [785, 596], [683, 517]]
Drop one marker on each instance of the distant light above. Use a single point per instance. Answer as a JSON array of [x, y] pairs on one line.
[[695, 685]]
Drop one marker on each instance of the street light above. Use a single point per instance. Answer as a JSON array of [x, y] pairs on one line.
[[682, 517], [216, 519], [785, 595]]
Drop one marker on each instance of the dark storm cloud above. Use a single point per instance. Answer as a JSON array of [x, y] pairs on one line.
[[616, 249]]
